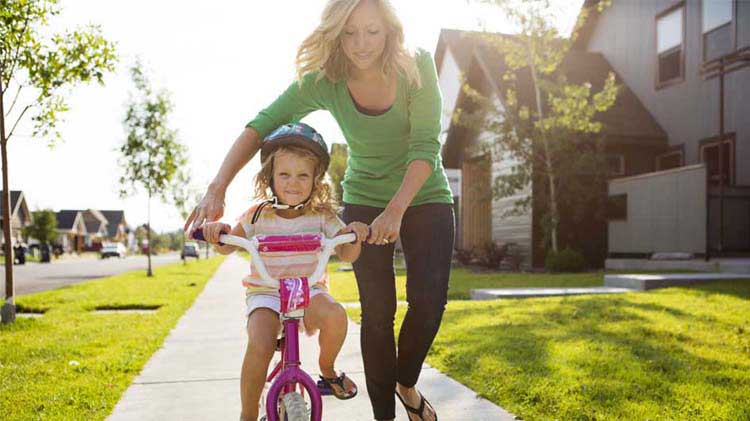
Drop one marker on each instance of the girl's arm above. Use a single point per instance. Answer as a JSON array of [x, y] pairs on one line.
[[350, 252]]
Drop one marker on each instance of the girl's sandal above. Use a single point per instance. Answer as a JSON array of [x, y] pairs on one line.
[[423, 403], [339, 392]]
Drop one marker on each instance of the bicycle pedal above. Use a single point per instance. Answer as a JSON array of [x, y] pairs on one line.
[[324, 388]]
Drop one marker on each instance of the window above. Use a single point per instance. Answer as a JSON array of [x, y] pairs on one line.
[[711, 152], [670, 43], [717, 28], [671, 159], [615, 165]]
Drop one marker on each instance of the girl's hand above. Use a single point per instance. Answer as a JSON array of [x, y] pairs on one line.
[[211, 208], [385, 228], [212, 231], [358, 228]]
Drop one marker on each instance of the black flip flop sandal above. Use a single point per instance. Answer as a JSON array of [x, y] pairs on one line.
[[339, 381], [422, 404]]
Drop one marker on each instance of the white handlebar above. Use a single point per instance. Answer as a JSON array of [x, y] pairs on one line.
[[251, 246]]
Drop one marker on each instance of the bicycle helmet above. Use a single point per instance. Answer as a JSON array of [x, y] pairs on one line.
[[297, 134]]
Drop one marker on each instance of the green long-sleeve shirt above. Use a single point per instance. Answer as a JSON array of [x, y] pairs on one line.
[[380, 147]]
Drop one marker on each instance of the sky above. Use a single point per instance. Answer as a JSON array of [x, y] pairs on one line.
[[222, 61]]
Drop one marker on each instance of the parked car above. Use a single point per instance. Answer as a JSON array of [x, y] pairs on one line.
[[190, 249], [113, 250]]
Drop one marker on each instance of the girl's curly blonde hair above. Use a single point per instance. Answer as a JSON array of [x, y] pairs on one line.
[[321, 51], [321, 197]]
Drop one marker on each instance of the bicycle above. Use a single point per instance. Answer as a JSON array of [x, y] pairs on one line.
[[283, 402]]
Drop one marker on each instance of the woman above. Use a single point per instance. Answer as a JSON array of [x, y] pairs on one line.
[[388, 105]]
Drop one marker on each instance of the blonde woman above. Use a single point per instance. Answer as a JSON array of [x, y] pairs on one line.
[[387, 103]]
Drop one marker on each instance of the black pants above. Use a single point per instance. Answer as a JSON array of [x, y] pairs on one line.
[[427, 233]]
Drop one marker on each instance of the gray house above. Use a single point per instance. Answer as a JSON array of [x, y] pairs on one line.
[[633, 140], [689, 64]]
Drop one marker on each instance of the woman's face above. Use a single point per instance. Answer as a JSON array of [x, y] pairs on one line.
[[293, 177], [364, 36]]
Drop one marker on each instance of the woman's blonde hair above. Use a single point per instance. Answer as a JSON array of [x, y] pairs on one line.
[[321, 197], [322, 51]]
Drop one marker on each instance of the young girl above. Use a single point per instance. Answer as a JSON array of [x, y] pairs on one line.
[[296, 199]]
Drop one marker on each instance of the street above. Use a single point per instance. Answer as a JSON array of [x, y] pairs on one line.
[[35, 277]]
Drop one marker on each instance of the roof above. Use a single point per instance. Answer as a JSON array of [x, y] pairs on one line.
[[587, 29], [628, 117], [114, 219], [15, 195], [66, 219], [627, 120], [93, 219]]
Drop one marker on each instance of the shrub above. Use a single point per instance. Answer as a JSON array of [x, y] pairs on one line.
[[566, 260]]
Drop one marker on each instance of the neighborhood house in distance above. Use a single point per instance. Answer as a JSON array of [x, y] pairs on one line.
[[78, 230], [677, 140]]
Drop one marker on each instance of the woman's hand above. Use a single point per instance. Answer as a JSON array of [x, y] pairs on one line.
[[212, 231], [359, 228], [386, 227], [211, 208]]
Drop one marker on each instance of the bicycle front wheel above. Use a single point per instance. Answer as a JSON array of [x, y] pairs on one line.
[[294, 407]]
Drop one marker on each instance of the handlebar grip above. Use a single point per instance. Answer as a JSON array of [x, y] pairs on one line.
[[198, 235]]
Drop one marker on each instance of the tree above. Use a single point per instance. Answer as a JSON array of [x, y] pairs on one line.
[[184, 197], [46, 67], [43, 226], [552, 134], [337, 168], [151, 155]]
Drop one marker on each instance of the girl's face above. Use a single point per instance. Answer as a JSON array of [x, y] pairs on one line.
[[293, 177], [364, 36]]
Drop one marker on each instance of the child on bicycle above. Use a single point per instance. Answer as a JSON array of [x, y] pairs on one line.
[[295, 199]]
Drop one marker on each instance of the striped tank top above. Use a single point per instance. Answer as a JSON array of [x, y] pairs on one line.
[[287, 264]]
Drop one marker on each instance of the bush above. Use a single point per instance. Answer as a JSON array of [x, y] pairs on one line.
[[566, 260], [490, 255]]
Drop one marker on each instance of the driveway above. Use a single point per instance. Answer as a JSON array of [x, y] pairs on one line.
[[35, 277]]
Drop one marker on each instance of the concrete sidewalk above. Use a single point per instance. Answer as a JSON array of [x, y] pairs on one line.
[[195, 375]]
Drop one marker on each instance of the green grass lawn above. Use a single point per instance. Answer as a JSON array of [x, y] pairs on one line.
[[72, 364], [671, 354], [344, 288]]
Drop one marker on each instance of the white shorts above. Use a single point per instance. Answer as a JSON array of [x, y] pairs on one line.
[[272, 302]]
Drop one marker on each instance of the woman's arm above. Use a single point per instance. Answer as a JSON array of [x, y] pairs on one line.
[[388, 224], [211, 208]]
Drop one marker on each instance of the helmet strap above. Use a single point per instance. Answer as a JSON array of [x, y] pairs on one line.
[[276, 204]]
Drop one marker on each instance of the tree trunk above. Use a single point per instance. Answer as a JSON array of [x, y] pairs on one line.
[[148, 235], [551, 177], [9, 308]]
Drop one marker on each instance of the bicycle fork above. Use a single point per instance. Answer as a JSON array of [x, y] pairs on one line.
[[290, 374]]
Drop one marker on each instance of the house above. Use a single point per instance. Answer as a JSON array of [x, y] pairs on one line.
[[96, 229], [118, 229], [20, 216], [633, 140], [71, 228], [689, 64]]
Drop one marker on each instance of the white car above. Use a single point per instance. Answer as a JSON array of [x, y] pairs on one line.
[[113, 250]]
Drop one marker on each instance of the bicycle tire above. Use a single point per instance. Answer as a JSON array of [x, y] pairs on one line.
[[294, 407]]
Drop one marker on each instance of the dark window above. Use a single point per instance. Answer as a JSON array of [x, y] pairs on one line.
[[670, 45], [669, 161], [617, 207], [710, 156], [670, 65], [743, 24], [717, 17]]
